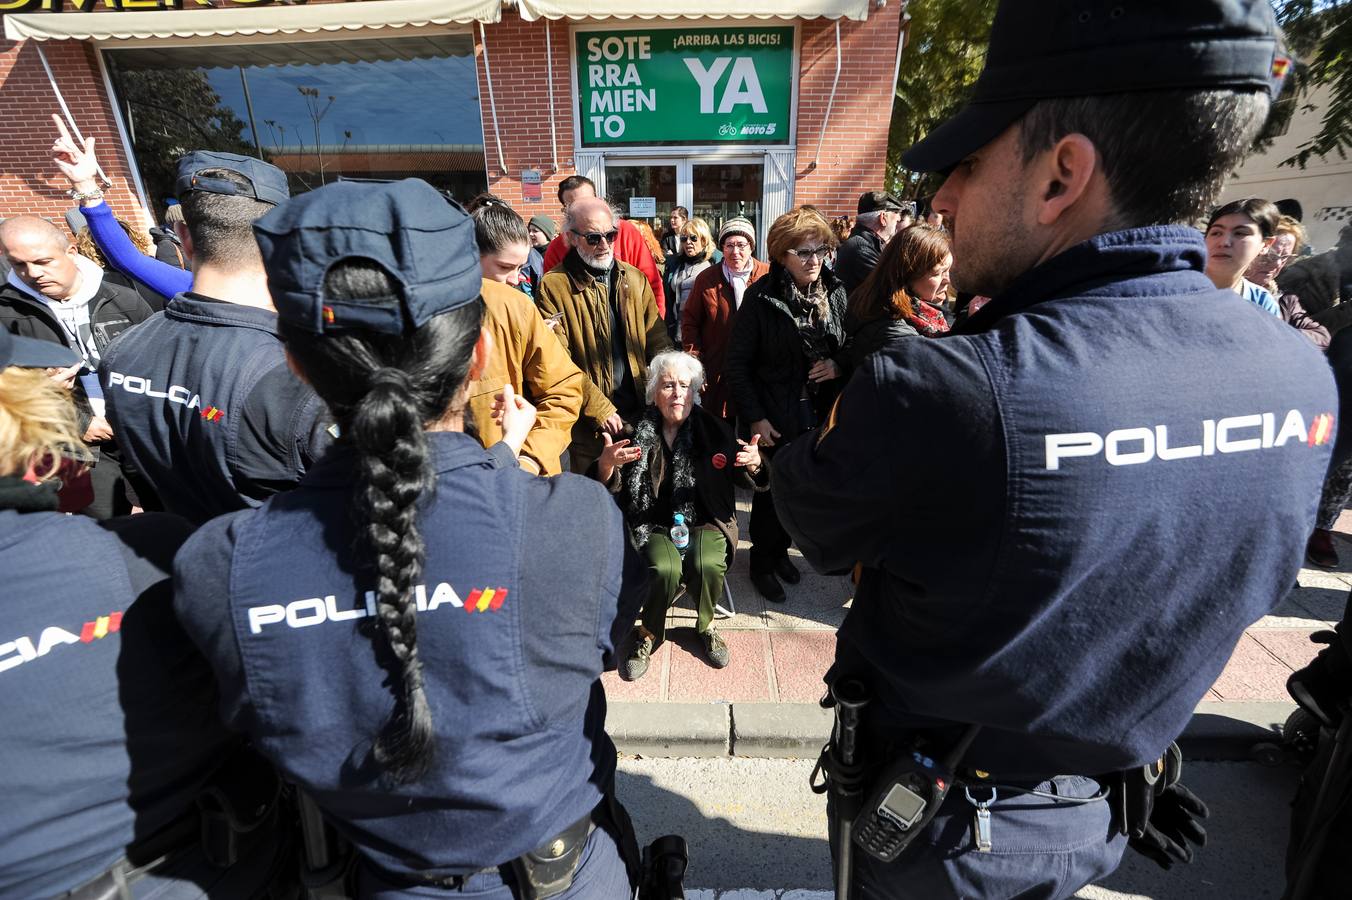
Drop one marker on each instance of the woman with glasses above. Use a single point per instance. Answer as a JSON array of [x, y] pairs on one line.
[[715, 297], [1264, 270], [785, 365]]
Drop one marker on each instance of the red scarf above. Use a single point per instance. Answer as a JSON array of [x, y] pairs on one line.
[[928, 319]]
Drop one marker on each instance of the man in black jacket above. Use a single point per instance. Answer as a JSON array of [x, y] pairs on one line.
[[879, 215], [54, 294]]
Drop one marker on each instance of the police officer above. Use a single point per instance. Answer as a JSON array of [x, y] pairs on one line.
[[200, 395], [415, 634], [1139, 453], [110, 734]]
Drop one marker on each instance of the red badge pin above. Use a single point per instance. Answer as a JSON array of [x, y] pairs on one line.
[[720, 461]]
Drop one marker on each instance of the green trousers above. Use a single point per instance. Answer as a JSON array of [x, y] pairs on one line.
[[702, 570]]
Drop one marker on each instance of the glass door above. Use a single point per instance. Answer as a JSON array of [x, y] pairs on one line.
[[714, 189], [724, 190], [656, 178]]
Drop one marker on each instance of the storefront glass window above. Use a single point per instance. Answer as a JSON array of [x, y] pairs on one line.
[[624, 182], [321, 111], [724, 191]]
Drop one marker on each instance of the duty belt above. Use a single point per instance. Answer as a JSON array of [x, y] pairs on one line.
[[541, 873]]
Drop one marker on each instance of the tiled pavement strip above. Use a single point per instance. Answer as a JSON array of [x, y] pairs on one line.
[[780, 652]]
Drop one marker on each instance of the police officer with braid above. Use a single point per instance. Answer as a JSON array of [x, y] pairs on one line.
[[406, 635], [1139, 459]]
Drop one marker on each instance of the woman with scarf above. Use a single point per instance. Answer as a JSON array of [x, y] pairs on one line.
[[697, 254], [706, 320], [898, 298], [682, 461], [785, 365]]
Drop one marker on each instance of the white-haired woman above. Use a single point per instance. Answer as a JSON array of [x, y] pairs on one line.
[[681, 461]]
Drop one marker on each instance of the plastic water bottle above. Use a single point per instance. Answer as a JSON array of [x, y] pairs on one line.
[[680, 534]]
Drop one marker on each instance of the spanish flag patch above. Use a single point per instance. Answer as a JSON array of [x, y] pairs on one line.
[[1321, 430], [485, 600]]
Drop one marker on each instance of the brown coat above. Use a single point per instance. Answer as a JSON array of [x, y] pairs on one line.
[[706, 326], [584, 330], [525, 354]]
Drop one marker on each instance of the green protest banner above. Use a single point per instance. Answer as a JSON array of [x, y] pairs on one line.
[[685, 86]]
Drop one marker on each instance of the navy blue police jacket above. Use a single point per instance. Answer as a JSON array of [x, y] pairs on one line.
[[110, 723], [527, 586], [207, 411], [1134, 459]]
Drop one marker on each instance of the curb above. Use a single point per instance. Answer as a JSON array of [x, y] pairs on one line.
[[1219, 730]]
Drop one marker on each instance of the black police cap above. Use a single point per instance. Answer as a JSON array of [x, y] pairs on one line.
[[1041, 49], [425, 243], [31, 353], [266, 182]]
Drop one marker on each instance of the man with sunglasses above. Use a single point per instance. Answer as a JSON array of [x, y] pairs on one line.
[[608, 320], [629, 245]]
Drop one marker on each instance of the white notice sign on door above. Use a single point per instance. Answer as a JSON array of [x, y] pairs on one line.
[[642, 207]]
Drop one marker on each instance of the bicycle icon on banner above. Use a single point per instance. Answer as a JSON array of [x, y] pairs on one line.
[[727, 129]]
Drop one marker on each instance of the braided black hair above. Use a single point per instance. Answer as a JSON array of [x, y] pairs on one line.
[[383, 390]]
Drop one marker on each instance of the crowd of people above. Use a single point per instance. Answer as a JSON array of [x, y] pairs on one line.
[[297, 432]]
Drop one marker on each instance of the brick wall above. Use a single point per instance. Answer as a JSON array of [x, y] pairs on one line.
[[29, 182], [521, 73], [854, 153]]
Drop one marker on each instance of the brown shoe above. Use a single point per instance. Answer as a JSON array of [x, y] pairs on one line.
[[1319, 549]]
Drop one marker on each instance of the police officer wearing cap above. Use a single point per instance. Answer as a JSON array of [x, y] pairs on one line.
[[200, 395], [1129, 501], [415, 634], [879, 215], [111, 740]]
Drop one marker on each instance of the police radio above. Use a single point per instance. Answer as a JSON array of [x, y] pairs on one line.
[[907, 798]]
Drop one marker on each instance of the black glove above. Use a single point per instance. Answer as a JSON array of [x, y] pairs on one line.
[[1172, 824]]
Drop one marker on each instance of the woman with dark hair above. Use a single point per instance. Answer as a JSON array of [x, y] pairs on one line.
[[898, 297], [504, 245], [786, 364], [524, 352], [1236, 234], [405, 635]]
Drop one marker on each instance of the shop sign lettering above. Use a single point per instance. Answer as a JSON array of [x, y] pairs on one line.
[[685, 86]]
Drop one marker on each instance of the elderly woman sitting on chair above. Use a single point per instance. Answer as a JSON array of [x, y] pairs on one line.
[[681, 463]]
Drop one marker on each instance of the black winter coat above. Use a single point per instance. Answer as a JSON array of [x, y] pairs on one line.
[[1317, 281], [767, 367], [112, 310], [857, 257], [870, 337]]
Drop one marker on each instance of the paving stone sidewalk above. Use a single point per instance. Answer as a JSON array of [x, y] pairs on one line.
[[780, 652]]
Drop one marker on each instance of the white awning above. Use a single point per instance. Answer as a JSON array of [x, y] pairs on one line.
[[130, 25], [745, 9]]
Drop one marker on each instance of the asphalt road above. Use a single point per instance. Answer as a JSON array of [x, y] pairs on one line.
[[756, 831]]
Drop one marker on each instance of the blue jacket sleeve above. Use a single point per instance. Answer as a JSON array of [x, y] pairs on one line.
[[118, 249], [202, 604], [878, 468]]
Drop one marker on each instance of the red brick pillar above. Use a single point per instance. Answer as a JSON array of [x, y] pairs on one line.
[[29, 181]]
